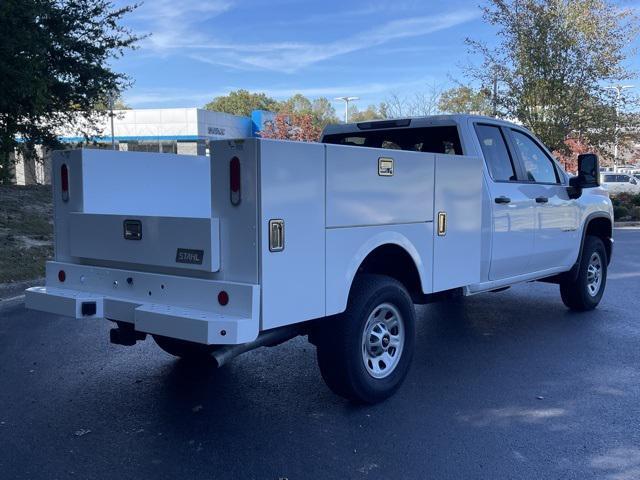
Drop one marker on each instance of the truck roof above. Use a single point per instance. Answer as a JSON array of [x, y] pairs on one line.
[[408, 122]]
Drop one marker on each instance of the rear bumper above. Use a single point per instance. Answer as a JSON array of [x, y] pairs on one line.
[[173, 306]]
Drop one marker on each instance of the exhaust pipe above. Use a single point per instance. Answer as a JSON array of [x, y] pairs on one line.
[[270, 338]]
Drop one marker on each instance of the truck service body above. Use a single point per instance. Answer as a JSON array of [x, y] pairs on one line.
[[270, 239]]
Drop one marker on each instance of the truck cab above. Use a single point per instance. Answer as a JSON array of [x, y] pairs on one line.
[[266, 240], [531, 224]]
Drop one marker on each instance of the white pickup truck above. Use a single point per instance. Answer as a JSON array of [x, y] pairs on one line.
[[337, 240]]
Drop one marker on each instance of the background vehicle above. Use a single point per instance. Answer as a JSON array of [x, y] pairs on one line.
[[267, 240], [620, 182]]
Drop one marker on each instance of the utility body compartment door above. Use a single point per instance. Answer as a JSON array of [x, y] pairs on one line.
[[292, 190], [457, 232], [372, 186]]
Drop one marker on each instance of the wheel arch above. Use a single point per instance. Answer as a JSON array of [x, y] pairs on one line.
[[600, 225], [396, 259]]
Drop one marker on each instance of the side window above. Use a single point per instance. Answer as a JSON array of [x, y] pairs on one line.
[[538, 166], [496, 153]]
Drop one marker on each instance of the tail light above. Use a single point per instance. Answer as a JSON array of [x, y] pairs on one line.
[[64, 182], [234, 180], [223, 298]]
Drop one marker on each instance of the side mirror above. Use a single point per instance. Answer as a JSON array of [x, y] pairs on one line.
[[588, 172]]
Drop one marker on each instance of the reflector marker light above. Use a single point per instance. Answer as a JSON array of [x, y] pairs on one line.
[[234, 181], [223, 298], [64, 182]]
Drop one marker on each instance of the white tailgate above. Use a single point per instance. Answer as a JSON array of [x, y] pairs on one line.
[[188, 243]]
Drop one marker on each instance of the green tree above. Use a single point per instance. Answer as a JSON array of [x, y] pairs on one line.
[[323, 112], [242, 102], [370, 113], [54, 69], [465, 100], [552, 64], [320, 110], [297, 103]]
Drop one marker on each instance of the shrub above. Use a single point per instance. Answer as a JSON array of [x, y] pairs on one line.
[[620, 213], [626, 206]]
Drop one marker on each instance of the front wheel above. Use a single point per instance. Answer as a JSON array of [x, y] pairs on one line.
[[585, 292], [364, 354]]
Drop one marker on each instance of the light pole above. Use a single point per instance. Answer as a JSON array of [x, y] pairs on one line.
[[618, 89], [111, 100], [346, 101]]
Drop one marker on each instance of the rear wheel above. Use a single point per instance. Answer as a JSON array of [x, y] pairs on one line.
[[585, 292], [364, 354], [183, 348]]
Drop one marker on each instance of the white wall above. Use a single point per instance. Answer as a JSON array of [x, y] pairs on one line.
[[171, 122]]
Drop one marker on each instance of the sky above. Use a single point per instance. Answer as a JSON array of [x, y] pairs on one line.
[[200, 49]]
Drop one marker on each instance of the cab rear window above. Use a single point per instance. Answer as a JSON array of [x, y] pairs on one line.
[[441, 139]]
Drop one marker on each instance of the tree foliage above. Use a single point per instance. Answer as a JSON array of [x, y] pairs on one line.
[[54, 68], [293, 126], [242, 102], [298, 108], [553, 62], [568, 157], [372, 112], [465, 99], [320, 110]]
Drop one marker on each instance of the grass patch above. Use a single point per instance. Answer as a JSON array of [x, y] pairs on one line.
[[26, 231]]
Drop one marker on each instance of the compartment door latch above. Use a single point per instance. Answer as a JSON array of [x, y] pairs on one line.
[[276, 235], [442, 224], [132, 229]]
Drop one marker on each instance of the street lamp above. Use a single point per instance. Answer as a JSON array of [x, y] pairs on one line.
[[618, 89], [346, 101], [111, 101]]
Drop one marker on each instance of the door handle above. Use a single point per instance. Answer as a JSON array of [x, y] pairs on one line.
[[502, 199], [542, 200]]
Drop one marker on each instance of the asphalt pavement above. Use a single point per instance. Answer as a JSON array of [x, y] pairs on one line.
[[503, 385]]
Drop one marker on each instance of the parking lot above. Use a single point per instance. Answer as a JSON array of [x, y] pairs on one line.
[[503, 385]]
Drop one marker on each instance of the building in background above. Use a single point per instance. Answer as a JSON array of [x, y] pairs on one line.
[[185, 131]]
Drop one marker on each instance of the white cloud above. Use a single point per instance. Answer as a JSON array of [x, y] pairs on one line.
[[290, 60], [171, 24], [187, 97], [175, 29]]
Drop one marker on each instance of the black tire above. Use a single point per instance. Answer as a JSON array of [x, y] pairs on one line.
[[579, 294], [341, 340], [184, 349]]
